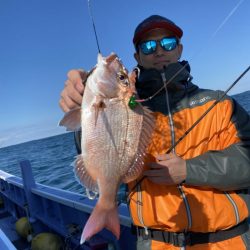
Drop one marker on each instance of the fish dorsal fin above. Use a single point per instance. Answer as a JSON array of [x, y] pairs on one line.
[[106, 60], [72, 120], [98, 105], [99, 58], [111, 58]]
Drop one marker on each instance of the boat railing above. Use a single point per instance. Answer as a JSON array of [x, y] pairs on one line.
[[63, 211]]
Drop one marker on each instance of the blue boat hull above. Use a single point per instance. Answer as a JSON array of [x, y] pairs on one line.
[[52, 210]]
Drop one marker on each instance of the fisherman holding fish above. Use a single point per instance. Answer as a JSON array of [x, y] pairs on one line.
[[192, 194]]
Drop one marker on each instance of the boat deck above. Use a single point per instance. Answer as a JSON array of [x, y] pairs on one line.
[[7, 225]]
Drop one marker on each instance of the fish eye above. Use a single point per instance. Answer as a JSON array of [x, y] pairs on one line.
[[123, 78]]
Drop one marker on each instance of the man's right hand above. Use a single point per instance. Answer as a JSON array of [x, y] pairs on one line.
[[71, 95]]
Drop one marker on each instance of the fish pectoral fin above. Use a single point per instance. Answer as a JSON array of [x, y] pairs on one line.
[[72, 120], [83, 176], [135, 169], [98, 106]]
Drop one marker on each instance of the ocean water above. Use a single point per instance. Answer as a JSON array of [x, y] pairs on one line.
[[50, 160], [51, 157], [244, 100]]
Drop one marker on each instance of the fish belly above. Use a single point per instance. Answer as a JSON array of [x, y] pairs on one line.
[[110, 139]]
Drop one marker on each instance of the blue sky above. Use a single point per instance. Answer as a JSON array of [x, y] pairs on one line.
[[42, 39]]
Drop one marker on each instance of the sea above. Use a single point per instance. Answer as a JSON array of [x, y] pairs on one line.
[[51, 158]]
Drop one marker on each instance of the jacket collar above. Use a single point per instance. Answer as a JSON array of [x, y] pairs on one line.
[[177, 75]]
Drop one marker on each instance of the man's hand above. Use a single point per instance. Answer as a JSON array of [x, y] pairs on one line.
[[71, 96], [169, 169]]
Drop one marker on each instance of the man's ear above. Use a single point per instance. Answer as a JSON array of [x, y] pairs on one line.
[[180, 49]]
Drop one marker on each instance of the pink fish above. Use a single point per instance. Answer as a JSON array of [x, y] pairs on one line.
[[114, 140]]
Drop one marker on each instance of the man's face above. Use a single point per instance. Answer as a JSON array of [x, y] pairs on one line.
[[160, 57]]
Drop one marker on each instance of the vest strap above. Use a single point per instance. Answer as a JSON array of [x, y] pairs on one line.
[[191, 238]]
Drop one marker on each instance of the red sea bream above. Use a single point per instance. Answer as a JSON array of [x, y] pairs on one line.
[[114, 140]]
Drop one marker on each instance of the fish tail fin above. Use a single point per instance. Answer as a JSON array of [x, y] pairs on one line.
[[100, 219]]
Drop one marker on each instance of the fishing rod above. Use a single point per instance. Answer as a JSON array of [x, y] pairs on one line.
[[93, 23], [195, 124], [207, 111], [133, 101]]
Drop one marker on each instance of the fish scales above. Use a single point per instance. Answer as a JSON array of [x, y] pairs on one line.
[[113, 140]]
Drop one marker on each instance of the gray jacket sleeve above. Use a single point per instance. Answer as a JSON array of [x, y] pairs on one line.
[[228, 169]]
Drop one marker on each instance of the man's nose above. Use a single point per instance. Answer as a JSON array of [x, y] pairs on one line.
[[159, 50]]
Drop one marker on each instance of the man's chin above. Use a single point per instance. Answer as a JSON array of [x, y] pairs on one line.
[[160, 66]]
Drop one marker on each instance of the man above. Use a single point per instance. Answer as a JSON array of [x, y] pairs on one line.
[[194, 197]]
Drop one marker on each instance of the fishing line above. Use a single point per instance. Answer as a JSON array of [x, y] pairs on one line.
[[191, 128], [227, 18], [211, 107], [229, 15], [93, 23], [225, 92], [207, 111]]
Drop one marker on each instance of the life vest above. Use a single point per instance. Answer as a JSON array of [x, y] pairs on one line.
[[181, 208]]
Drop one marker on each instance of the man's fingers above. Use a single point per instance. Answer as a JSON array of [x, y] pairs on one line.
[[72, 85], [155, 165], [63, 105], [71, 93], [155, 172], [76, 79], [160, 180], [80, 74], [165, 157], [74, 74], [83, 74], [79, 86], [162, 157], [70, 98], [67, 104]]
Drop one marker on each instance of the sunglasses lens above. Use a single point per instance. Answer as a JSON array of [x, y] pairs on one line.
[[168, 43], [148, 47]]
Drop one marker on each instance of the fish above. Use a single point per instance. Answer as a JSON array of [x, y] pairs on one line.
[[114, 139]]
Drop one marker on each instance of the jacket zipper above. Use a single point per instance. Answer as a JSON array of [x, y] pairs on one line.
[[139, 208], [236, 211], [170, 117], [139, 193], [188, 211], [171, 123]]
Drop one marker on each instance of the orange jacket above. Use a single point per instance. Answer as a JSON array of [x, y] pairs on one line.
[[217, 152]]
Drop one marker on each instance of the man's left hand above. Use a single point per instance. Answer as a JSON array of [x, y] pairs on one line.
[[169, 169]]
